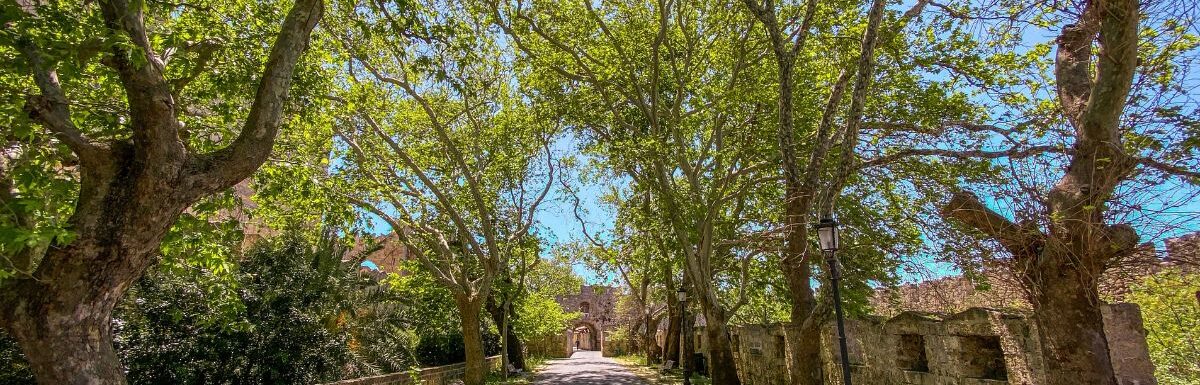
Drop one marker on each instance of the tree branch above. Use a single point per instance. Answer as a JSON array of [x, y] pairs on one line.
[[1116, 63], [1168, 168], [1013, 153], [862, 82], [1073, 62], [52, 109], [1021, 241], [151, 103], [237, 161]]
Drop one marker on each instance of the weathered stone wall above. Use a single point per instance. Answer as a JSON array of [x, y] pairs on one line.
[[977, 346], [437, 375], [549, 346]]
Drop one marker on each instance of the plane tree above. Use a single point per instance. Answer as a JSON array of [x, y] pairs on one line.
[[1108, 121], [122, 105]]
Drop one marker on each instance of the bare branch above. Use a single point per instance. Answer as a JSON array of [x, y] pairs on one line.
[[1169, 168], [1012, 153]]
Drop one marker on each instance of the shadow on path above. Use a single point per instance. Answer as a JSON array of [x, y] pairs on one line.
[[586, 368]]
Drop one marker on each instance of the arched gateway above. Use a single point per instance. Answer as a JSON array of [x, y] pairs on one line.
[[597, 308]]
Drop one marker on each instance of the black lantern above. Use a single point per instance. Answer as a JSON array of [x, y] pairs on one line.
[[827, 235], [681, 295]]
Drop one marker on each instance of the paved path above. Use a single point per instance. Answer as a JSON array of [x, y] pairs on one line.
[[586, 368]]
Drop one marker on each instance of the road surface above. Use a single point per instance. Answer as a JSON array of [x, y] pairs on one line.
[[586, 368]]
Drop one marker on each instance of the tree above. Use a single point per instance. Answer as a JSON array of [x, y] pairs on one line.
[[440, 146], [802, 189], [1061, 253], [137, 173]]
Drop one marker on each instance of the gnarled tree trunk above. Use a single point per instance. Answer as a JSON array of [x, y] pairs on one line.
[[722, 367], [1061, 260]]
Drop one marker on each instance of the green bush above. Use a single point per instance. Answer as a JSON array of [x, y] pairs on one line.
[[306, 317], [1171, 315]]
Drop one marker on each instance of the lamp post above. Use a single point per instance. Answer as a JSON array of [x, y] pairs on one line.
[[827, 234], [684, 363]]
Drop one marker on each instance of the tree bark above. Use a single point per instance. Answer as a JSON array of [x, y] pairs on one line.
[[472, 332], [1071, 329], [671, 340], [722, 367], [804, 334], [515, 349]]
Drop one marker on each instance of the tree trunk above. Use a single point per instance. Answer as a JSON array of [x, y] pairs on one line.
[[61, 316], [71, 349], [670, 348], [671, 340], [804, 353], [472, 332], [803, 342], [1071, 329], [514, 348], [648, 343], [722, 367]]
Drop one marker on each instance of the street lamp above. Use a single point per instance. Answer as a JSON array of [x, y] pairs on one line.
[[829, 239], [681, 294]]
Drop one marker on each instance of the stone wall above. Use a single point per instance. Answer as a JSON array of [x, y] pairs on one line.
[[550, 346], [437, 375], [976, 346]]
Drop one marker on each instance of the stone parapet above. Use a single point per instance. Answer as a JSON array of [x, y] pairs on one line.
[[976, 346], [437, 375]]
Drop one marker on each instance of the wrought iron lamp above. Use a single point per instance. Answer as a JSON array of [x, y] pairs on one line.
[[830, 241]]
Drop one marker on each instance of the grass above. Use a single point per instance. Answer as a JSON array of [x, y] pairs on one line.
[[653, 375]]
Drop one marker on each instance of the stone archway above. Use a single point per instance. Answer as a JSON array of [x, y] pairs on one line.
[[584, 336]]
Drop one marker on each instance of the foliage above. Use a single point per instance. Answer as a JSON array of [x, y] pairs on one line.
[[553, 275], [1170, 303], [431, 315], [211, 52], [540, 316], [306, 317]]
